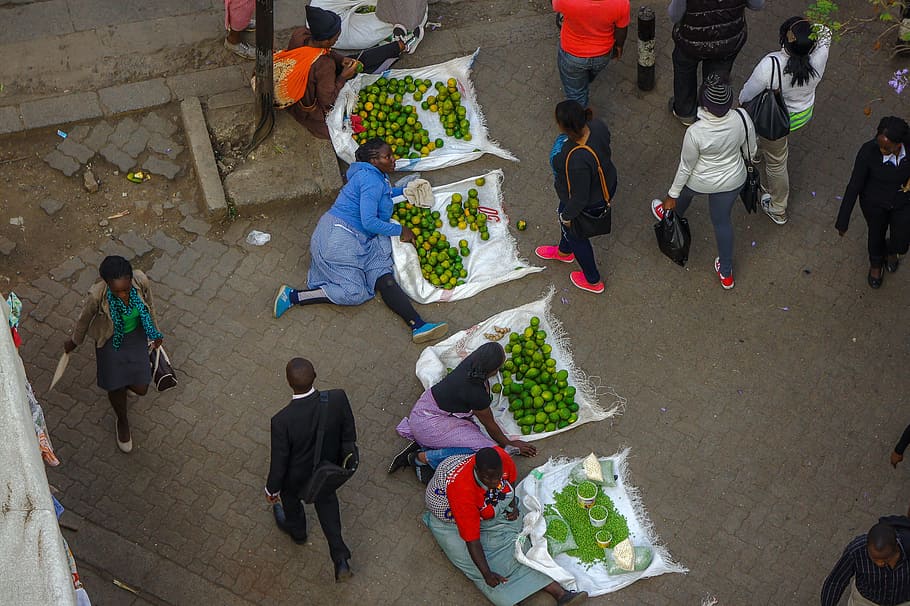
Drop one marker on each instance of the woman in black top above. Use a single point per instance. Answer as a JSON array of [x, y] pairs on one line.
[[579, 187], [446, 419], [881, 179]]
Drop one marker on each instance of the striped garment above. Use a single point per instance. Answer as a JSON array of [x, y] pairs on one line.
[[800, 119], [884, 586]]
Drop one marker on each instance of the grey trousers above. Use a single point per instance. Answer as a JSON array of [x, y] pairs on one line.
[[720, 206], [409, 13]]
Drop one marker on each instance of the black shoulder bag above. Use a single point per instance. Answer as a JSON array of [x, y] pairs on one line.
[[327, 476], [768, 110], [751, 191], [588, 224]]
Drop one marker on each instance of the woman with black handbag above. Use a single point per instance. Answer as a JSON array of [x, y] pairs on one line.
[[787, 77], [712, 163], [585, 180]]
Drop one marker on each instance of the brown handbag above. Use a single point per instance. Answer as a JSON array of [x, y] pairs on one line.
[[588, 224]]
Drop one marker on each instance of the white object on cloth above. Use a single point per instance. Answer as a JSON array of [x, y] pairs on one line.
[[419, 192], [433, 361], [552, 477], [455, 151], [358, 30], [537, 556], [491, 262]]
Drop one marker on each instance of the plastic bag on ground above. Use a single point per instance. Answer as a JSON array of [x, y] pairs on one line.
[[491, 262], [643, 558], [558, 534], [543, 481], [433, 361], [673, 237], [578, 475], [455, 151]]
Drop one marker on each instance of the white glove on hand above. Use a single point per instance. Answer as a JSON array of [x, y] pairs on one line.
[[419, 192]]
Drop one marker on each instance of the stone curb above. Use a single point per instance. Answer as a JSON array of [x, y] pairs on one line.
[[120, 99], [197, 137]]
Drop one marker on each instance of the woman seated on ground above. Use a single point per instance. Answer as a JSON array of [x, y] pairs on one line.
[[442, 423], [473, 514], [311, 98], [351, 247]]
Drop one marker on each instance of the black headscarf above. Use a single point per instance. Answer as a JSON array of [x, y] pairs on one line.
[[323, 24], [464, 389]]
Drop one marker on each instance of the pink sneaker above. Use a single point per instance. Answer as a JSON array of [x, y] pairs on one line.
[[725, 281], [551, 253], [657, 209], [578, 279]]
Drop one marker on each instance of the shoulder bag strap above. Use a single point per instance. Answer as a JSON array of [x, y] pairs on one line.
[[780, 78], [745, 128], [600, 171], [320, 428]]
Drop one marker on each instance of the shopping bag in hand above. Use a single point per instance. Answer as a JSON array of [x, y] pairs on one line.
[[673, 237]]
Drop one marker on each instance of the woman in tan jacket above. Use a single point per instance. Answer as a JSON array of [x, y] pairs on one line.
[[118, 316]]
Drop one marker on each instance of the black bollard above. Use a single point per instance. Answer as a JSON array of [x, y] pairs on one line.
[[646, 57], [265, 91]]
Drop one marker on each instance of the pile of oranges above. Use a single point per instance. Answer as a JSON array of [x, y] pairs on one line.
[[465, 214], [452, 114], [440, 262]]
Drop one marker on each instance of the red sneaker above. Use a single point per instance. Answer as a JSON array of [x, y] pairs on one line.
[[725, 281], [552, 253], [657, 209], [578, 279]]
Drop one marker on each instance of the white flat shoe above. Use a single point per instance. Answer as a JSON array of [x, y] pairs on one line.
[[123, 446]]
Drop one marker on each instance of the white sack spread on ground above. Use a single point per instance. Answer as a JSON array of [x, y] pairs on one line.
[[433, 361], [552, 477], [454, 151], [358, 30], [491, 262]]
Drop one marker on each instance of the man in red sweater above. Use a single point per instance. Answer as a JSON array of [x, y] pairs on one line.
[[592, 32]]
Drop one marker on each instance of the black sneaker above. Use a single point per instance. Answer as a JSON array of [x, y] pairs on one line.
[[401, 459], [424, 473]]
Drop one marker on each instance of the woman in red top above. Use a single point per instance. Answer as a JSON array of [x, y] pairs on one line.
[[473, 514]]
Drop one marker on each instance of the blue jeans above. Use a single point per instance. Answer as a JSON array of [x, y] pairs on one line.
[[576, 73], [581, 248], [720, 206], [435, 457]]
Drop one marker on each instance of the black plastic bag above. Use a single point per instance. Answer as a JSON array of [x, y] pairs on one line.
[[673, 237]]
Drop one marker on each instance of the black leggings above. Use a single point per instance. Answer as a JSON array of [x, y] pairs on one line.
[[373, 58], [397, 301]]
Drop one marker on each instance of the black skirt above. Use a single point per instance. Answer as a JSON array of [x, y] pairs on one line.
[[129, 365]]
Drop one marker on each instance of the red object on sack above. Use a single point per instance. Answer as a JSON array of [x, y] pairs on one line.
[[357, 124], [17, 340]]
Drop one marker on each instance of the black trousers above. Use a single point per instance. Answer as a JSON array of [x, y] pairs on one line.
[[329, 514], [685, 78], [889, 232], [373, 58]]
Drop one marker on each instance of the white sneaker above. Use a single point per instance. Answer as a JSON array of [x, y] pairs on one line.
[[241, 49], [779, 218]]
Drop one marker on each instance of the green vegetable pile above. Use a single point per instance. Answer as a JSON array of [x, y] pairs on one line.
[[586, 490], [588, 551], [557, 530], [540, 397]]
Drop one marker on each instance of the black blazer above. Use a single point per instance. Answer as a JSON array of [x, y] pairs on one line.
[[878, 185], [294, 439]]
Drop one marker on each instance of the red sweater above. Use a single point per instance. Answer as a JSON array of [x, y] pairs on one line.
[[466, 498]]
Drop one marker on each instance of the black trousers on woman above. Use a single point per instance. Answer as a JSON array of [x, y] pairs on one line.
[[889, 232]]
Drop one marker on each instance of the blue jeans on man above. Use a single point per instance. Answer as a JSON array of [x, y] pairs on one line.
[[577, 73]]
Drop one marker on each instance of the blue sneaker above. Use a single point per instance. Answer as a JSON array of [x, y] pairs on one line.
[[429, 332], [282, 300]]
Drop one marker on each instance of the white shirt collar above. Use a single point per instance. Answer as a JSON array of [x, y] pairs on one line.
[[895, 159], [300, 396]]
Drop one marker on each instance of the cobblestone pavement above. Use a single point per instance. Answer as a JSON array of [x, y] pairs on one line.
[[760, 419]]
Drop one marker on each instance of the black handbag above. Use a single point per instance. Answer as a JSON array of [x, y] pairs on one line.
[[327, 476], [751, 190], [674, 237], [597, 223], [768, 110], [162, 372]]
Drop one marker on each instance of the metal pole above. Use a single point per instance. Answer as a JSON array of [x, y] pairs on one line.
[[646, 57], [265, 29]]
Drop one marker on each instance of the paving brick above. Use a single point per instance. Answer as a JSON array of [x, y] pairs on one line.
[[158, 166], [123, 131], [10, 122], [79, 132], [156, 124], [62, 162], [162, 241], [208, 82], [118, 157], [76, 150], [60, 110], [97, 139], [133, 96], [51, 206], [114, 248], [135, 242], [67, 269], [137, 142], [165, 146]]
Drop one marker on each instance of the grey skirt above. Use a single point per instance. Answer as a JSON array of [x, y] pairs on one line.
[[129, 365]]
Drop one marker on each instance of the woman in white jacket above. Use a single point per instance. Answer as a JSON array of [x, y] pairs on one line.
[[796, 69], [711, 163]]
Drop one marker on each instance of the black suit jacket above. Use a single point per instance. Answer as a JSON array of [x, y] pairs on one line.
[[294, 439]]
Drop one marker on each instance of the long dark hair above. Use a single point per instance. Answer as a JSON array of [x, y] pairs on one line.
[[796, 38], [572, 117]]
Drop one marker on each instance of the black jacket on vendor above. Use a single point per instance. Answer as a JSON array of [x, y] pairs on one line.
[[877, 183], [712, 29], [587, 192]]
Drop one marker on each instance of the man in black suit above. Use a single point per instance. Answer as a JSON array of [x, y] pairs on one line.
[[293, 445]]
